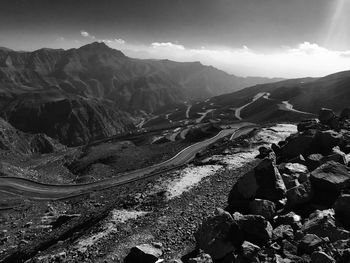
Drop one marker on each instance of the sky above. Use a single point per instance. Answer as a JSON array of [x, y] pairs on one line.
[[273, 38]]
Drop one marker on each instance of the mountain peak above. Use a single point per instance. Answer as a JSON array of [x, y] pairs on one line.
[[100, 47]]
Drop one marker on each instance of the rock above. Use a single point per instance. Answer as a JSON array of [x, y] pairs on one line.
[[328, 180], [283, 232], [300, 194], [144, 253], [321, 257], [255, 228], [202, 258], [323, 224], [307, 125], [325, 115], [297, 145], [337, 156], [265, 182], [310, 243], [261, 207], [291, 219], [250, 252], [342, 209], [213, 236], [264, 152], [313, 161], [299, 159], [290, 250], [296, 170], [276, 149], [289, 181], [325, 141], [345, 114]]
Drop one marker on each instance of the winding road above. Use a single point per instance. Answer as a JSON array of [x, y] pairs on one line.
[[264, 95], [36, 190]]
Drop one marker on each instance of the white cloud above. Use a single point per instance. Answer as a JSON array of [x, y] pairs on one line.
[[305, 59], [167, 45], [86, 34]]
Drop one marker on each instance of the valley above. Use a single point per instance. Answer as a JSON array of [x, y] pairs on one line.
[[101, 153]]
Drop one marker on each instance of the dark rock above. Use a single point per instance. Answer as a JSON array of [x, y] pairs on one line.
[[264, 182], [283, 232], [144, 253], [310, 243], [328, 180], [345, 114], [202, 258], [291, 219], [321, 257], [326, 115], [215, 233], [313, 161], [297, 145], [297, 170], [323, 224], [250, 252], [307, 125], [262, 207], [276, 148], [325, 141], [290, 250], [300, 194], [337, 156], [255, 228], [264, 152], [342, 209]]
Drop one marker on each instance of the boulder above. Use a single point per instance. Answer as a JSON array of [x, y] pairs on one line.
[[283, 232], [201, 258], [262, 207], [307, 125], [291, 219], [144, 253], [301, 194], [264, 152], [264, 182], [314, 160], [293, 171], [323, 224], [255, 228], [213, 236], [249, 252], [321, 257], [337, 156], [289, 181], [342, 209], [345, 114], [325, 141], [310, 243], [328, 180], [297, 145], [326, 115]]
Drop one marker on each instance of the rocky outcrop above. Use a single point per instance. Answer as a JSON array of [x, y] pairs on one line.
[[295, 231], [71, 121], [16, 141]]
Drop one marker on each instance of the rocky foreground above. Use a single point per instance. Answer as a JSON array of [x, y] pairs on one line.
[[294, 206]]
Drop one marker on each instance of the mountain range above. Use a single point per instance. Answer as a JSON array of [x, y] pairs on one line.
[[94, 91]]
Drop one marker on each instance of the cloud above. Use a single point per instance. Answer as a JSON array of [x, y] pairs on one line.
[[167, 45], [86, 34], [304, 59]]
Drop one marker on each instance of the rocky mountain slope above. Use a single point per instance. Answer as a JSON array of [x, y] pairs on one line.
[[305, 94], [87, 93], [293, 206]]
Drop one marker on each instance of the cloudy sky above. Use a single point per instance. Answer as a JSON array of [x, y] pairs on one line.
[[275, 38]]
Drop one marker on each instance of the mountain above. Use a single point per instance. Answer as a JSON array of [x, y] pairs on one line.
[[78, 95], [298, 96]]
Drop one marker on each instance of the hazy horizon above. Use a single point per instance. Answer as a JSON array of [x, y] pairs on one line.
[[247, 38]]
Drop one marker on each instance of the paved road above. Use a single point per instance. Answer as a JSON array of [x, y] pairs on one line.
[[264, 95], [35, 190]]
